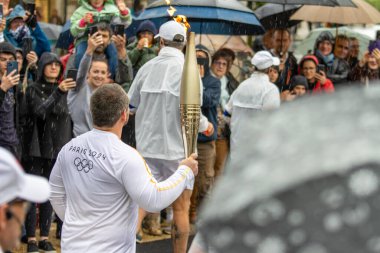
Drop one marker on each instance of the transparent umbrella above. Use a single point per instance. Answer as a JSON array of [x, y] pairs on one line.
[[307, 181]]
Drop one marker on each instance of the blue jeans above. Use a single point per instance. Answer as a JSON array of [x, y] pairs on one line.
[[110, 52]]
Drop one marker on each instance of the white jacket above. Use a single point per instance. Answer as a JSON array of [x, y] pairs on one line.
[[253, 95], [155, 97]]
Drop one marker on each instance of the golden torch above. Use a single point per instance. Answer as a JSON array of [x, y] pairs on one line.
[[190, 98]]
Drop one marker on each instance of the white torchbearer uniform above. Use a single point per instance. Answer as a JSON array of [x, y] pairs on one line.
[[97, 183], [253, 95], [155, 97]]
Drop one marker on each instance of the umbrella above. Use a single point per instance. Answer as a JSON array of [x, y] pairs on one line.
[[308, 2], [274, 16], [306, 182], [51, 31], [65, 38], [363, 14], [208, 16], [307, 44]]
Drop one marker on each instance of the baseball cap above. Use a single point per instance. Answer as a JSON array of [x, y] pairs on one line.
[[172, 31], [264, 59], [15, 183]]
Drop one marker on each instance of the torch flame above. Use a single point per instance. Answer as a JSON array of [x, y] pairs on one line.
[[182, 20], [171, 11], [179, 18]]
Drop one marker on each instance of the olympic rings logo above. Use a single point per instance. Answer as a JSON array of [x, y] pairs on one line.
[[83, 165]]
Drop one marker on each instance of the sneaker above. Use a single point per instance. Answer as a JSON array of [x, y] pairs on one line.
[[139, 236], [46, 246], [32, 247]]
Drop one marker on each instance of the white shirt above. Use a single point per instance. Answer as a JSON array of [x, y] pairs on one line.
[[255, 94], [155, 97], [97, 183]]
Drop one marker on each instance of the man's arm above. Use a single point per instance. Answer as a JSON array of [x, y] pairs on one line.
[[146, 191], [124, 72], [58, 193]]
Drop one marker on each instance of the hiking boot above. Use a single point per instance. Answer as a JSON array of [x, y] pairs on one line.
[[32, 247], [46, 246]]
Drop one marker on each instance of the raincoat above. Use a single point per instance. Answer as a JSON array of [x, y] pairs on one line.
[[110, 14], [154, 96], [253, 95], [47, 106], [40, 41]]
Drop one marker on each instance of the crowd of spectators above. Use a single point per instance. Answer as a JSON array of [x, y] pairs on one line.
[[43, 106]]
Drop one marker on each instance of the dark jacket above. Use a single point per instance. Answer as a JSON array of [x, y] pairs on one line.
[[47, 106], [363, 74], [290, 70], [9, 117], [211, 98], [338, 73]]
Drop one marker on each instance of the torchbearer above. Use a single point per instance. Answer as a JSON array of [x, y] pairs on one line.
[[155, 98]]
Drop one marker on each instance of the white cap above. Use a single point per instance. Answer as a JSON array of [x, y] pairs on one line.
[[170, 29], [14, 183], [264, 60]]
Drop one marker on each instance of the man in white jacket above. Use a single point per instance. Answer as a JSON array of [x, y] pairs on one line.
[[98, 182], [155, 97], [253, 95]]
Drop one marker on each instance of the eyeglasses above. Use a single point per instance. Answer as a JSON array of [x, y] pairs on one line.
[[307, 69], [221, 63]]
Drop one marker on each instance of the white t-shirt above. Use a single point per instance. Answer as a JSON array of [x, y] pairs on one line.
[[97, 183]]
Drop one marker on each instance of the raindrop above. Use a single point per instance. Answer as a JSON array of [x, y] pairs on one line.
[[272, 244], [295, 217], [224, 237], [297, 237], [363, 183], [373, 244], [251, 238], [333, 222]]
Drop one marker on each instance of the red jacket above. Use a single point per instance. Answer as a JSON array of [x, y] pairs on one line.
[[328, 87]]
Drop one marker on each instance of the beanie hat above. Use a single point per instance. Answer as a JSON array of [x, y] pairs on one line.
[[308, 57], [323, 36], [8, 48], [146, 25], [298, 80]]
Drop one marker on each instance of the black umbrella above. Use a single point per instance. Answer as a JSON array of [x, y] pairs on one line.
[[307, 181], [276, 16]]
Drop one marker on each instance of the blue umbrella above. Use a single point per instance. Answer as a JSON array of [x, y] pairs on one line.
[[208, 16]]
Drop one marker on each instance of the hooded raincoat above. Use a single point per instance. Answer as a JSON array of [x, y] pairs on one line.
[[253, 95], [40, 41], [110, 13], [155, 97], [47, 106]]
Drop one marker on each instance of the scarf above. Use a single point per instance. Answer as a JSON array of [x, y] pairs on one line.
[[20, 33], [328, 59]]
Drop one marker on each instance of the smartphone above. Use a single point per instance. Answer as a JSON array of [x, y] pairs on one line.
[[321, 67], [118, 29], [27, 46], [12, 65], [201, 61], [31, 8], [93, 29], [72, 73]]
